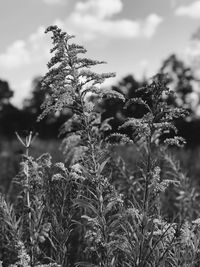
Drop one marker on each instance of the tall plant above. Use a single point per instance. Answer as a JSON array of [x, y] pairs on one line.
[[69, 81], [149, 238]]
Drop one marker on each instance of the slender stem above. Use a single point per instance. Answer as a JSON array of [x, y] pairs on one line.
[[147, 178], [146, 194], [28, 141], [27, 177]]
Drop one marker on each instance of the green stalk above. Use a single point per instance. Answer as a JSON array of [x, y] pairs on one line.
[[26, 144]]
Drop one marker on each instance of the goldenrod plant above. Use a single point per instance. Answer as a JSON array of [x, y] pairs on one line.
[[97, 199], [150, 238]]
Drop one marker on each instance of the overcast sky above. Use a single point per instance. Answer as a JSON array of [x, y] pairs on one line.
[[133, 36]]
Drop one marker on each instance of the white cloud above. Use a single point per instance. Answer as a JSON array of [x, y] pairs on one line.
[[191, 55], [23, 91], [99, 8], [191, 11], [15, 55], [93, 19], [23, 53], [175, 3], [90, 20], [150, 25], [90, 27], [193, 50], [54, 2]]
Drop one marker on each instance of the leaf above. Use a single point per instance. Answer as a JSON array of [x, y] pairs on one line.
[[85, 264], [102, 165], [85, 204], [138, 101], [45, 160]]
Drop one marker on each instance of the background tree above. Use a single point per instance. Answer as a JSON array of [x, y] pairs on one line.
[[33, 104], [5, 93], [8, 112], [113, 108], [182, 80]]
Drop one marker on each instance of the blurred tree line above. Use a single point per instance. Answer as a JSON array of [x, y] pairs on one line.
[[22, 120], [180, 78]]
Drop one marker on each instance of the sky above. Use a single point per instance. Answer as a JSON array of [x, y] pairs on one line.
[[132, 36]]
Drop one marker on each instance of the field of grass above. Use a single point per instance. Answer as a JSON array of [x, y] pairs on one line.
[[189, 159], [11, 156], [11, 152]]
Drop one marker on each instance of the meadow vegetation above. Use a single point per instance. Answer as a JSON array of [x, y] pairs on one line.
[[93, 208]]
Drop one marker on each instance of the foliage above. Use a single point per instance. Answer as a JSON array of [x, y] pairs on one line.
[[34, 103], [5, 93], [182, 80], [91, 210]]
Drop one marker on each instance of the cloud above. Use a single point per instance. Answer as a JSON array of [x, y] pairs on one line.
[[23, 53], [191, 55], [93, 19], [101, 9], [150, 25], [175, 3], [193, 50], [191, 11], [15, 55], [23, 90], [54, 2]]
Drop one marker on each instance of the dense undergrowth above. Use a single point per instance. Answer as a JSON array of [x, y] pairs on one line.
[[92, 210]]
